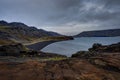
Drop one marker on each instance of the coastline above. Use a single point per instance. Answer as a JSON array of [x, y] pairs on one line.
[[78, 67], [40, 45]]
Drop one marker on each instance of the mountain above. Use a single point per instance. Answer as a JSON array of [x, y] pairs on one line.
[[100, 33], [20, 32]]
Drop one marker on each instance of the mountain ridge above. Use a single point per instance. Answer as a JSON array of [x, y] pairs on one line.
[[100, 33], [20, 32]]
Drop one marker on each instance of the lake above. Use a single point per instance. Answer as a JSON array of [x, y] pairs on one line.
[[78, 44]]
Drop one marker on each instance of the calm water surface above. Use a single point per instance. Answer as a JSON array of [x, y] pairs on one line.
[[78, 44]]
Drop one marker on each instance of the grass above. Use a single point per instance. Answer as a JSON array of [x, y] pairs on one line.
[[24, 59], [5, 42], [3, 27], [28, 39], [48, 38], [56, 58], [47, 59]]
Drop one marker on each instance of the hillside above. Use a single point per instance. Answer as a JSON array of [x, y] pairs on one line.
[[100, 33], [20, 32]]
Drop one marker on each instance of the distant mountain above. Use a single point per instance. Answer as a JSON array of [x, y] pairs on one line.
[[100, 33], [17, 31]]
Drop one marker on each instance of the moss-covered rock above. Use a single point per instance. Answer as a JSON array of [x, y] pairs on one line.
[[84, 54], [98, 49], [12, 50], [105, 48], [19, 50]]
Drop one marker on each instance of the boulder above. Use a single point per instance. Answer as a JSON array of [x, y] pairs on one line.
[[12, 50]]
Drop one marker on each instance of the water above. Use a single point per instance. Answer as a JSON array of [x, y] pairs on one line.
[[78, 44]]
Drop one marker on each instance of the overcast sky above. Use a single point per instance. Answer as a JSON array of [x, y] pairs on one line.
[[64, 16]]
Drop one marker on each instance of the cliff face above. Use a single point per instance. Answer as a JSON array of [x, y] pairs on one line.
[[100, 33]]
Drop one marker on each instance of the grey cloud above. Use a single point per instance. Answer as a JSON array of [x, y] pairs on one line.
[[104, 13], [66, 4]]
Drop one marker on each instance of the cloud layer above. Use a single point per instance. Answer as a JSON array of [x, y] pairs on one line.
[[64, 16]]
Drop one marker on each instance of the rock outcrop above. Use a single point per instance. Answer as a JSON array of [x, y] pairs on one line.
[[19, 50], [105, 48], [98, 49], [105, 57], [12, 50]]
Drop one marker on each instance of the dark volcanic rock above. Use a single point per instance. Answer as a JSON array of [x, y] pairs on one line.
[[98, 49], [84, 54], [50, 55], [12, 50], [107, 61], [103, 57], [106, 48], [19, 50]]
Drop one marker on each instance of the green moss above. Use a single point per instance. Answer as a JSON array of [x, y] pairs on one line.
[[6, 42], [56, 58]]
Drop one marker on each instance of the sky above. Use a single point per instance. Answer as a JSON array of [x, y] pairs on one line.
[[68, 17]]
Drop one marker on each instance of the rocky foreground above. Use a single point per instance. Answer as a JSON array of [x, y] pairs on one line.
[[100, 64], [99, 68]]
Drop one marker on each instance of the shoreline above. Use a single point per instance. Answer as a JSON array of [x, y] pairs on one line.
[[78, 67], [40, 45]]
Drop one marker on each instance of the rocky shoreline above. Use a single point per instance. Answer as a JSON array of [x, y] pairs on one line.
[[101, 62], [32, 49], [19, 50], [97, 50], [68, 69], [38, 45]]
